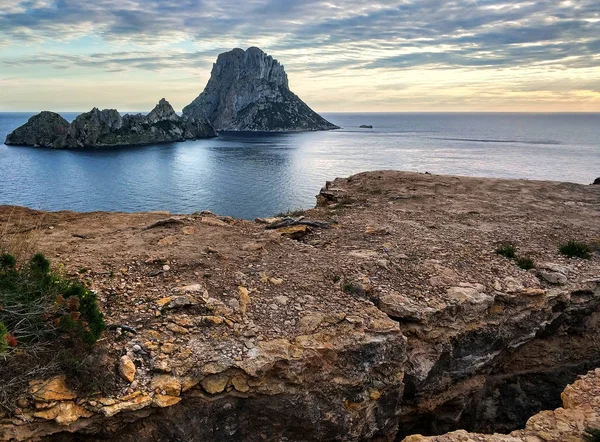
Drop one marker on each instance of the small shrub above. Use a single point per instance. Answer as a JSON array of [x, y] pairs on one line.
[[39, 263], [591, 435], [353, 288], [507, 250], [7, 261], [525, 263], [50, 320], [574, 249]]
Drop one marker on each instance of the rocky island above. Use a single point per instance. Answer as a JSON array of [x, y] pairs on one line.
[[101, 128], [402, 304], [249, 91]]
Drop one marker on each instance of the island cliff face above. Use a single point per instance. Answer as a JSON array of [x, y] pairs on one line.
[[249, 91], [108, 128]]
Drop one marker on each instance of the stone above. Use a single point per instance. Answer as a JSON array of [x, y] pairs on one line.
[[293, 232], [177, 329], [249, 91], [240, 383], [215, 383], [162, 401], [166, 384], [54, 389], [136, 403], [63, 413], [597, 181], [244, 298], [552, 277], [107, 128], [252, 246], [309, 323], [176, 302], [127, 368]]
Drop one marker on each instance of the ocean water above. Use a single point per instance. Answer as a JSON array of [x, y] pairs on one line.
[[253, 175]]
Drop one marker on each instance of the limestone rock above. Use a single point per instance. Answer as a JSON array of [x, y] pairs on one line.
[[54, 389], [215, 384], [127, 368], [166, 384], [136, 402], [249, 91], [108, 128]]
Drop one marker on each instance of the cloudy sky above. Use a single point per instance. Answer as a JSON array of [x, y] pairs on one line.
[[340, 55]]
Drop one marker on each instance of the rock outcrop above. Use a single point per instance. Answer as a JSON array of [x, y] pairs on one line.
[[42, 129], [99, 128], [399, 319], [580, 411], [249, 91]]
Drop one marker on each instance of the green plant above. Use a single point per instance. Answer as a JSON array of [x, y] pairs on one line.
[[575, 249], [353, 288], [7, 261], [48, 318], [3, 336], [591, 435], [525, 263], [507, 250]]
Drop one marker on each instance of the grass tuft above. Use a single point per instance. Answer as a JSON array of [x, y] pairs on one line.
[[507, 250], [575, 249], [525, 263]]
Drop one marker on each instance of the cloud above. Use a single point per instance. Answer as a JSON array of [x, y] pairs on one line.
[[313, 38]]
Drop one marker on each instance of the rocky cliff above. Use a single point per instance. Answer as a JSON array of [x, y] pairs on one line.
[[107, 128], [385, 312], [248, 91]]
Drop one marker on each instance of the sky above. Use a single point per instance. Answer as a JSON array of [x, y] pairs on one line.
[[340, 56]]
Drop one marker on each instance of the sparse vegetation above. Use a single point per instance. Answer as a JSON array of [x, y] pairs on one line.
[[575, 249], [343, 202], [45, 320], [507, 250], [591, 435], [353, 288], [525, 263]]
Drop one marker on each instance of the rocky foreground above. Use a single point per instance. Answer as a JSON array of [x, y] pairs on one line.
[[384, 313], [104, 128]]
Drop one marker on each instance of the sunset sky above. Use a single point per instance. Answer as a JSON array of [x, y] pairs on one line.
[[346, 55]]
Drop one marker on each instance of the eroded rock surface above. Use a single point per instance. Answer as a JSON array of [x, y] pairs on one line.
[[106, 127], [249, 91], [580, 411], [398, 319]]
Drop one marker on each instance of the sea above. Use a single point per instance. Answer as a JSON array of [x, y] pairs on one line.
[[250, 175]]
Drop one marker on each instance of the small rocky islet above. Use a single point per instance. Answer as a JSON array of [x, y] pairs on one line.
[[383, 313], [247, 91], [100, 128]]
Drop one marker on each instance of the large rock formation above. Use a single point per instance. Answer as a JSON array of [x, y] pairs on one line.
[[248, 91], [400, 320], [108, 128]]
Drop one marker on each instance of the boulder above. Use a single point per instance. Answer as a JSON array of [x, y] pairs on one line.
[[249, 91]]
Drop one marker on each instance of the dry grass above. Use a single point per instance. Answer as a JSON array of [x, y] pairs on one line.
[[19, 235]]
